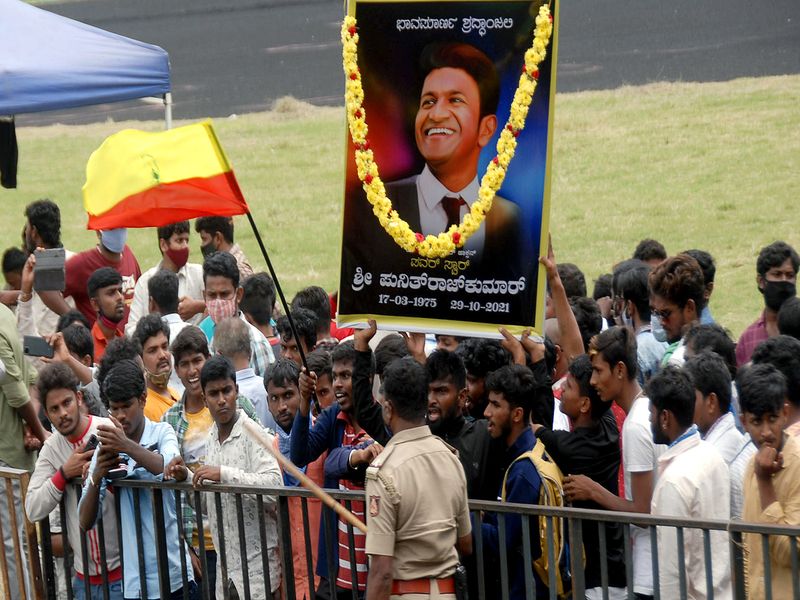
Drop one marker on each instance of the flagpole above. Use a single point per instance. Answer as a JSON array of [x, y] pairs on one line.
[[274, 276]]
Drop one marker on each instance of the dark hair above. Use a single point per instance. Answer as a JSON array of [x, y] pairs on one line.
[[13, 260], [457, 55], [389, 349], [679, 279], [123, 382], [709, 374], [783, 353], [789, 317], [46, 217], [282, 372], [78, 340], [671, 389], [630, 284], [762, 389], [648, 249], [590, 319], [118, 349], [520, 388], [101, 278], [70, 317], [573, 279], [319, 362], [714, 338], [190, 340], [163, 289], [305, 323], [706, 262], [602, 287], [617, 345], [232, 338], [482, 356], [775, 255], [221, 264], [442, 365], [581, 370], [167, 231], [346, 352], [315, 299], [150, 326], [216, 368], [258, 297], [55, 376], [212, 225], [404, 385]]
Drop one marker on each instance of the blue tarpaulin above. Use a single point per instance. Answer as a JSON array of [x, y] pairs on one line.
[[50, 62]]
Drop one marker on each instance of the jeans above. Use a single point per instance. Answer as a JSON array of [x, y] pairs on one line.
[[96, 591]]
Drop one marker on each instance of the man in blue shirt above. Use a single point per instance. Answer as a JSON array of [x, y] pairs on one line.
[[142, 448], [514, 396]]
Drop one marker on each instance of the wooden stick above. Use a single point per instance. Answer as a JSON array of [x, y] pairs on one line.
[[304, 480]]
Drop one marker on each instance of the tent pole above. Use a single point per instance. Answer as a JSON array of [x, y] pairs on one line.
[[168, 110]]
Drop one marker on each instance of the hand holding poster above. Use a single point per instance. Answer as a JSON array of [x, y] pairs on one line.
[[434, 248]]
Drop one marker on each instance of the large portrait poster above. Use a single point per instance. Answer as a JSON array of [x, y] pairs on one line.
[[438, 81]]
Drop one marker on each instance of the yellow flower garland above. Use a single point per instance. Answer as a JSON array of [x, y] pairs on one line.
[[446, 242]]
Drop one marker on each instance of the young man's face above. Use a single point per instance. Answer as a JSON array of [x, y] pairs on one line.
[[220, 397], [448, 127], [177, 241], [476, 391], [129, 413], [289, 350], [324, 391], [766, 429], [571, 398], [188, 367], [63, 408], [608, 385], [219, 287], [284, 400], [343, 384], [446, 342], [155, 354], [110, 302], [498, 413], [444, 400], [673, 318]]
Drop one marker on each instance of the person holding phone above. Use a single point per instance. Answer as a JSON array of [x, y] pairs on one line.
[[62, 460]]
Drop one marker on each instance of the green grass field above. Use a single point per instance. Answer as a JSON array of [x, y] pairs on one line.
[[712, 166]]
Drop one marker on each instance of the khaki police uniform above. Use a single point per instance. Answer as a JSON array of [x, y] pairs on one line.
[[417, 509]]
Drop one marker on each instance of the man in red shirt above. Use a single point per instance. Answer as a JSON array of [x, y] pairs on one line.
[[112, 251], [104, 289]]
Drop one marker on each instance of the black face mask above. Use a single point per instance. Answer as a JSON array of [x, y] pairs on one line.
[[208, 249], [778, 292]]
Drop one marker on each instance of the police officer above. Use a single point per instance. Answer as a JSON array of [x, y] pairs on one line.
[[417, 499]]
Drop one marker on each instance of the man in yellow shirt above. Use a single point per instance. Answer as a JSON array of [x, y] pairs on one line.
[[153, 336]]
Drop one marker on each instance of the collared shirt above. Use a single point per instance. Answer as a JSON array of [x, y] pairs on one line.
[[432, 216], [784, 511], [157, 404], [190, 283], [737, 469], [176, 418], [692, 478], [252, 388], [245, 270], [750, 338], [261, 355], [417, 469], [101, 341], [724, 436], [163, 438], [242, 461]]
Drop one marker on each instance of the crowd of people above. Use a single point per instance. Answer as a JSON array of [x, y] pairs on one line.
[[635, 400]]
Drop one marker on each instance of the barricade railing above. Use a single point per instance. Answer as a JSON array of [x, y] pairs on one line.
[[484, 585], [20, 567]]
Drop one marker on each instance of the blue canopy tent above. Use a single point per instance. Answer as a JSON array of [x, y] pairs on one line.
[[50, 62]]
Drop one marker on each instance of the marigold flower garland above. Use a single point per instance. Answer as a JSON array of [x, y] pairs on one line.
[[446, 242]]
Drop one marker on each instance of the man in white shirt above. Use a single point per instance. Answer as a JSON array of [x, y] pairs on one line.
[[712, 387], [692, 483], [173, 241]]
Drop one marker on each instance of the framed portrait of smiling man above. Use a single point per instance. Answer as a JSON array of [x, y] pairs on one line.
[[438, 82]]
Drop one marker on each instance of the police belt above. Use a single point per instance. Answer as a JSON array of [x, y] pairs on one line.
[[422, 586]]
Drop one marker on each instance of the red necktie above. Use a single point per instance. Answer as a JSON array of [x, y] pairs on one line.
[[452, 208]]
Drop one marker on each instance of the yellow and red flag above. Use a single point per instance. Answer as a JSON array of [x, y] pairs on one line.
[[141, 179]]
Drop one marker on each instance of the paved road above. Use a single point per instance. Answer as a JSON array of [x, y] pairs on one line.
[[237, 56]]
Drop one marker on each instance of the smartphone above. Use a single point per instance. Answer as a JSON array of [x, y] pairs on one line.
[[36, 346], [48, 272], [91, 444]]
